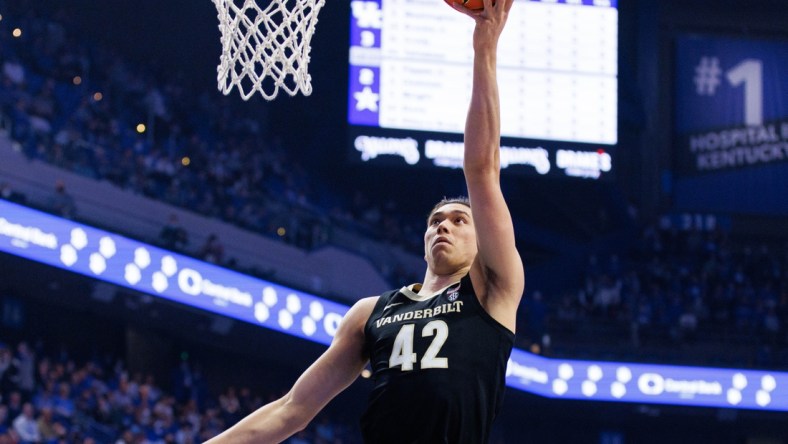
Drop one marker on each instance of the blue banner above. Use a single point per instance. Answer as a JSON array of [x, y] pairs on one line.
[[132, 264], [648, 383]]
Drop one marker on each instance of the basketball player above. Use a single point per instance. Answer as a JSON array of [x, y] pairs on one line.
[[438, 350]]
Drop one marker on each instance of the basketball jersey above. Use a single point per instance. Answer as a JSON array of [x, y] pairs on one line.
[[439, 368]]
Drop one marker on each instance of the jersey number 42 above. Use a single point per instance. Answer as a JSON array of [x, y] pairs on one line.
[[402, 352]]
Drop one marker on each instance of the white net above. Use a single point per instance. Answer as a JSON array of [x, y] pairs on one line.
[[266, 48]]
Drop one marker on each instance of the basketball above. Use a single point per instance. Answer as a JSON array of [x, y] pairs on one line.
[[471, 4]]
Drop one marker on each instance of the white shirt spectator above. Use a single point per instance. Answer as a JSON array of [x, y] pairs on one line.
[[608, 293], [26, 425], [14, 72]]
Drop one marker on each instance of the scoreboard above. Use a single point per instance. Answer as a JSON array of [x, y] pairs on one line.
[[411, 72]]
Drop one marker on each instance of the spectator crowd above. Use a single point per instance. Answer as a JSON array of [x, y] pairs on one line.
[[54, 398], [700, 295]]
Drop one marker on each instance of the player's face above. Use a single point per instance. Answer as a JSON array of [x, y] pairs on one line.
[[450, 239]]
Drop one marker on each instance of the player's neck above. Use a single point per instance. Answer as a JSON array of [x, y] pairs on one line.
[[435, 282]]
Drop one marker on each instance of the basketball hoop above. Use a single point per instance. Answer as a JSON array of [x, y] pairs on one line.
[[265, 49]]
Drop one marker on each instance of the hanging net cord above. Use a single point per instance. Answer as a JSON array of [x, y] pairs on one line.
[[271, 42]]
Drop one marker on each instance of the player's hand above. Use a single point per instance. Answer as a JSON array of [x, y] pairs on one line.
[[490, 20]]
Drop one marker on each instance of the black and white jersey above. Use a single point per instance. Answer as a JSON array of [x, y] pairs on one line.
[[439, 367]]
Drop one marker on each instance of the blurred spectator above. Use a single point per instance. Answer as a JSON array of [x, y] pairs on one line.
[[326, 430], [8, 370], [173, 236], [49, 429], [230, 406], [608, 294], [688, 324], [25, 362], [42, 109], [62, 203], [212, 250], [771, 324], [566, 311], [536, 313], [185, 434], [63, 404], [14, 71], [26, 425], [45, 396], [14, 404], [9, 194], [301, 437], [4, 421]]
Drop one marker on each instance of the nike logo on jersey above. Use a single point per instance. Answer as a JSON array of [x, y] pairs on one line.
[[392, 305]]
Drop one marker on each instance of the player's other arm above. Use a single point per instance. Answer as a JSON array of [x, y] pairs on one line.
[[336, 369], [498, 261]]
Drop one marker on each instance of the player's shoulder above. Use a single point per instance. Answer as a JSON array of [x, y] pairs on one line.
[[367, 302], [362, 309], [355, 319]]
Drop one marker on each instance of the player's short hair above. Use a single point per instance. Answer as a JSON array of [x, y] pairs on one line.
[[462, 200]]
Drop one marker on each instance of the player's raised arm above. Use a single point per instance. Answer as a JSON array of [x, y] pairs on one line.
[[336, 369], [498, 261]]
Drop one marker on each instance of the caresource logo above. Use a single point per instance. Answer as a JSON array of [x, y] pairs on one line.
[[193, 283], [526, 374], [22, 236]]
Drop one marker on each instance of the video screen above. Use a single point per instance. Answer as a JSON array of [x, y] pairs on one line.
[[410, 83]]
